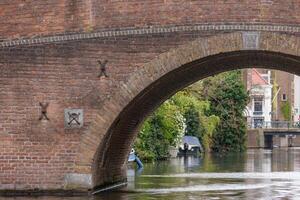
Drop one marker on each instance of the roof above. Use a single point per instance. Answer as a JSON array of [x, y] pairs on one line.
[[191, 140], [257, 79]]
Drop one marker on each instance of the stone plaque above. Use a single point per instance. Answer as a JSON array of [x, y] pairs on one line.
[[251, 40], [78, 180], [73, 118]]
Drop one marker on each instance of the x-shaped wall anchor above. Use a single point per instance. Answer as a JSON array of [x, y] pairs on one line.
[[44, 108], [73, 117], [103, 68]]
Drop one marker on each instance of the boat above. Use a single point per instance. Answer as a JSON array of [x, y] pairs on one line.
[[190, 145]]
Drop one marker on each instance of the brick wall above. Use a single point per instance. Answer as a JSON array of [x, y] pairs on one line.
[[166, 12], [38, 154], [19, 18], [285, 82], [30, 18], [253, 139]]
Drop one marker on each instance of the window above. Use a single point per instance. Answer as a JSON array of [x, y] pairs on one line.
[[258, 122], [284, 97], [265, 77], [258, 106]]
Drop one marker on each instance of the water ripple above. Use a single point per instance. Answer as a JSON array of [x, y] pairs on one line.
[[205, 188], [235, 175]]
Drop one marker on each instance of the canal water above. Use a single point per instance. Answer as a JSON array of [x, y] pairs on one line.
[[256, 174]]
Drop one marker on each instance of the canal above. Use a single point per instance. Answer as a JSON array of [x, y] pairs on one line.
[[255, 174]]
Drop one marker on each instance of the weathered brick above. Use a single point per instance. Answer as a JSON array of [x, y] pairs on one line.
[[152, 52]]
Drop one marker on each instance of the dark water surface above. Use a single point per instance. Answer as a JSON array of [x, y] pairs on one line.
[[256, 174]]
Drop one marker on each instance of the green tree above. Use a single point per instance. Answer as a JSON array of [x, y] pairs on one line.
[[181, 114], [164, 128], [192, 121], [198, 122], [211, 110], [228, 98]]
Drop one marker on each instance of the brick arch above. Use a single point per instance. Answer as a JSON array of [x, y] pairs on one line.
[[118, 121]]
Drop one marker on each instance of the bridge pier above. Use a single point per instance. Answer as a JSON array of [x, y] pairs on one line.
[[270, 137], [78, 181], [109, 178]]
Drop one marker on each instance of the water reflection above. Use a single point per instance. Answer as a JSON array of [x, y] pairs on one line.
[[275, 160], [256, 174]]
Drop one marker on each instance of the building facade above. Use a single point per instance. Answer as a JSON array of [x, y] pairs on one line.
[[274, 96], [296, 113], [283, 96], [260, 91]]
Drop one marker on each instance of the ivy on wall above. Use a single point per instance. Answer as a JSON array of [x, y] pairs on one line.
[[286, 110]]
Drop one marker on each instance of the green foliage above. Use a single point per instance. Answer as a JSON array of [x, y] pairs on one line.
[[192, 122], [160, 131], [228, 98], [209, 125], [181, 114], [286, 110], [211, 110], [198, 123]]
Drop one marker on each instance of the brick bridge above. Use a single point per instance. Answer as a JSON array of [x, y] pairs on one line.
[[49, 53]]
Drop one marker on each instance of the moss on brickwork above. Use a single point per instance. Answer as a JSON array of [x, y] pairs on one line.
[[286, 110]]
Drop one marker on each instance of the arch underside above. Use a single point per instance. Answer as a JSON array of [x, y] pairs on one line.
[[110, 159]]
